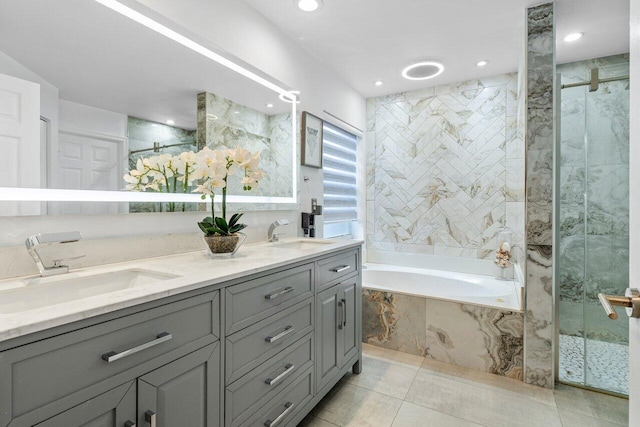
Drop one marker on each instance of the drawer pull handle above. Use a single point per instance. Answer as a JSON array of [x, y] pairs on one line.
[[341, 268], [290, 367], [280, 293], [344, 307], [129, 424], [282, 334], [288, 408], [150, 417], [112, 356], [340, 314]]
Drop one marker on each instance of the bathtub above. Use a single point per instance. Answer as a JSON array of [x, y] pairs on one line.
[[464, 319], [443, 285]]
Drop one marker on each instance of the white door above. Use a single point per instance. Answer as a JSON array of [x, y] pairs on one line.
[[87, 162], [634, 214], [19, 140]]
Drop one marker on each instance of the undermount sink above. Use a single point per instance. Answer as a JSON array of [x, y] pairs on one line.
[[302, 244], [32, 293]]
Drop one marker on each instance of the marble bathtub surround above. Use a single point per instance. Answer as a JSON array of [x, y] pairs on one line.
[[482, 338], [539, 146], [445, 169], [224, 123]]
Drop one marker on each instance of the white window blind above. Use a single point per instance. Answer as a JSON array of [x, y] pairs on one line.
[[339, 167]]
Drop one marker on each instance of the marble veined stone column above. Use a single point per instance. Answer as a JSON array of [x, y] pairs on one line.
[[539, 145]]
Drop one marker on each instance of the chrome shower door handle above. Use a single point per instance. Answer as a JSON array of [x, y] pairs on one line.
[[631, 302]]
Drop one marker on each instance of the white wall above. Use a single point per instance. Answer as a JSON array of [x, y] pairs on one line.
[[236, 27]]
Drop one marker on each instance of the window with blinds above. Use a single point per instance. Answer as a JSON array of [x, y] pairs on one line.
[[339, 167]]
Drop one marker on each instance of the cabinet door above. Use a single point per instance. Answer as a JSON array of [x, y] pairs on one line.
[[185, 392], [114, 408], [349, 331], [327, 353]]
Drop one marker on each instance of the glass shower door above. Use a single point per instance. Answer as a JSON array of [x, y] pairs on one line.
[[594, 230]]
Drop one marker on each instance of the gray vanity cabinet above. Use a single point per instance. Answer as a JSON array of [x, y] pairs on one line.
[[115, 407], [337, 329], [260, 350], [182, 393]]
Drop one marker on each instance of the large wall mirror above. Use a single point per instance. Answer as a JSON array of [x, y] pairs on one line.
[[89, 87]]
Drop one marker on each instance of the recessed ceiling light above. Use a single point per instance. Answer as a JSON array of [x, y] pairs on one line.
[[573, 37], [308, 5], [171, 122], [482, 63], [423, 70], [293, 93], [378, 83], [236, 112], [269, 105]]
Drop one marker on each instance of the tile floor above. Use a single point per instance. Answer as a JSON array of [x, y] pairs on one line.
[[401, 390]]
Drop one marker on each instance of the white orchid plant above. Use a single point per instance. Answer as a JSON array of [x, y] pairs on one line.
[[209, 170]]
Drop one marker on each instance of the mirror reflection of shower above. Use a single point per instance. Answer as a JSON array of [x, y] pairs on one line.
[[148, 139], [593, 233]]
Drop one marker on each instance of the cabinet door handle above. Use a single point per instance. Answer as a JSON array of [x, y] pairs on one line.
[[341, 268], [129, 424], [275, 295], [344, 307], [112, 356], [287, 331], [150, 417], [289, 368], [288, 408], [341, 312]]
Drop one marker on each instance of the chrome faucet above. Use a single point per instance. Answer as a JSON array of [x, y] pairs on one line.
[[274, 237], [33, 242]]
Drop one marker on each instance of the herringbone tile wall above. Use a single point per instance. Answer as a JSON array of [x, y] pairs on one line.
[[445, 168]]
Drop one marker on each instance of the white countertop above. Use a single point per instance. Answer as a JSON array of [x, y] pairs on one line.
[[195, 270]]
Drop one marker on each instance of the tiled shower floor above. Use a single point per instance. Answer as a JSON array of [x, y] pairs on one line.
[[607, 363]]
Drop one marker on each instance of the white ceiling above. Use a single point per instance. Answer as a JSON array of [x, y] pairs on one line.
[[367, 40]]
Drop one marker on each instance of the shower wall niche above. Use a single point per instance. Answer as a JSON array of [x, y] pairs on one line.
[[594, 222]]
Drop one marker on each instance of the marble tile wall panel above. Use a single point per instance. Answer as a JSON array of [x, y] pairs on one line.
[[220, 126], [540, 45], [539, 330], [394, 321], [482, 338], [437, 167]]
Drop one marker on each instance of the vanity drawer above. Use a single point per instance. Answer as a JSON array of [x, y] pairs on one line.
[[252, 301], [336, 267], [57, 368], [253, 345], [281, 409], [260, 385]]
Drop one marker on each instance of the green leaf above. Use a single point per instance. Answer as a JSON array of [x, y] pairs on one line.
[[208, 220], [203, 197], [237, 227], [222, 224], [235, 219], [204, 227]]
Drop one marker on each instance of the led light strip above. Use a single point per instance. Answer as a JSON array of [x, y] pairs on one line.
[[12, 194], [188, 43]]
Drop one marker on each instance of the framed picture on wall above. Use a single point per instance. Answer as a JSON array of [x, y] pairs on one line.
[[311, 140]]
